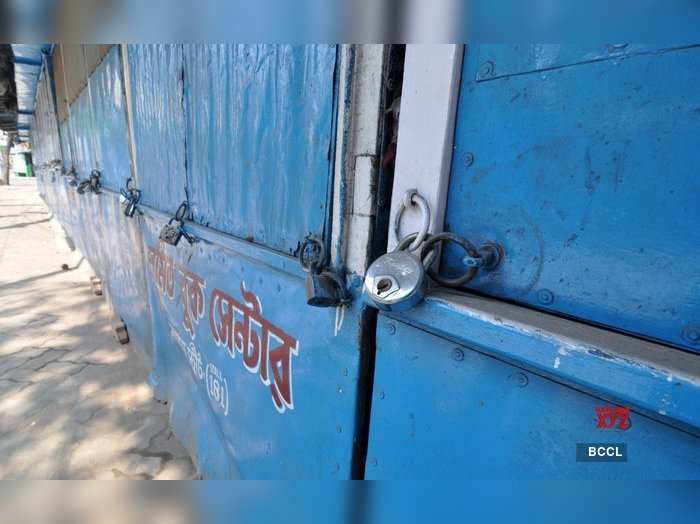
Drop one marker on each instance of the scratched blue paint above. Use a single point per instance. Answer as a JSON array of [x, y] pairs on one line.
[[246, 436], [82, 140], [259, 122], [440, 409], [86, 228], [124, 273], [110, 241], [46, 152], [656, 380], [586, 175], [64, 139], [48, 155], [502, 60], [159, 123], [65, 209], [109, 127]]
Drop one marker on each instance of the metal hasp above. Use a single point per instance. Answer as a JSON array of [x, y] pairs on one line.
[[131, 198], [486, 258], [73, 177], [324, 287], [92, 184], [489, 257]]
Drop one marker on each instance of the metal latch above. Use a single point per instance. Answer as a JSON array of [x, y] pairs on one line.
[[324, 287]]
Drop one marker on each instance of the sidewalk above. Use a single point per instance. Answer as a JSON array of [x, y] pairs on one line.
[[74, 403]]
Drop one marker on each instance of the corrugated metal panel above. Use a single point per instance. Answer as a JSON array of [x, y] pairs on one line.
[[65, 139], [45, 148], [108, 122], [283, 410], [59, 82], [259, 123], [159, 123], [82, 139], [39, 134], [586, 176]]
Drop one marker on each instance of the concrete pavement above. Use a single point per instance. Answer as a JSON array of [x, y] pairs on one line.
[[74, 403]]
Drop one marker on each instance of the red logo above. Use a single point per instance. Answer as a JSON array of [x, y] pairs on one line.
[[609, 416]]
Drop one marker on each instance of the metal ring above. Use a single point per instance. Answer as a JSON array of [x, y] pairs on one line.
[[181, 212], [129, 184], [405, 241], [410, 198], [465, 244], [320, 259]]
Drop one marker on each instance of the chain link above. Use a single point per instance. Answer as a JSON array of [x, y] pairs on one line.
[[413, 198], [92, 183], [429, 246], [487, 258], [132, 197], [318, 249]]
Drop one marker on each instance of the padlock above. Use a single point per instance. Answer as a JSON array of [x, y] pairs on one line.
[[131, 205], [395, 282], [171, 234], [325, 289], [129, 208]]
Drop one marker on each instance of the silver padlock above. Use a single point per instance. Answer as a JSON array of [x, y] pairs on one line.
[[395, 281]]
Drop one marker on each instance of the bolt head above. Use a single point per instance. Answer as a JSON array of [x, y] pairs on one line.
[[487, 69], [468, 159], [521, 380], [692, 334], [545, 296]]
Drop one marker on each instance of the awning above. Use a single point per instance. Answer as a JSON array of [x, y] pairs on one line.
[[20, 81]]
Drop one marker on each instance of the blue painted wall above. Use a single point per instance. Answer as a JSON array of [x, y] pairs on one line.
[[109, 128], [235, 420], [223, 403], [441, 409], [259, 123], [159, 123], [581, 163], [455, 393]]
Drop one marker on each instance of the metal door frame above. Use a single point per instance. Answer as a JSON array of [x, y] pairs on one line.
[[616, 367]]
